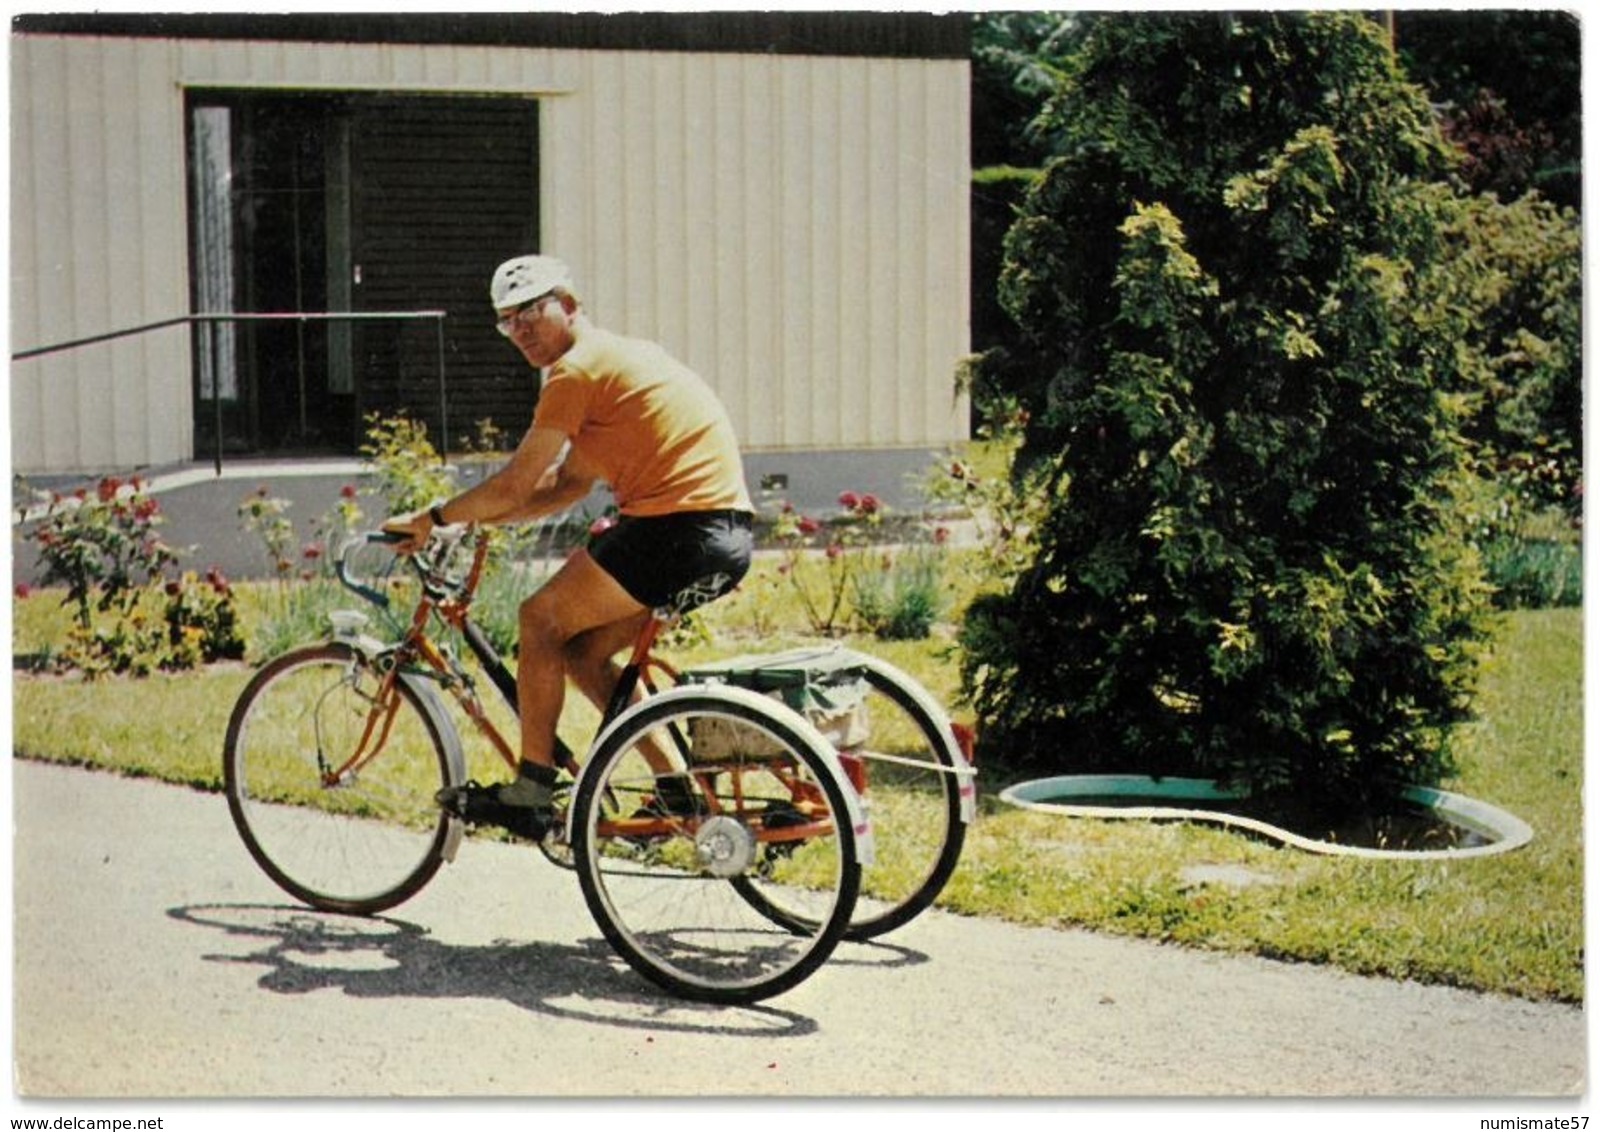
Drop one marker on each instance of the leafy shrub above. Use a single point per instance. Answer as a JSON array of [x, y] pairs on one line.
[[408, 470], [304, 589], [131, 644], [202, 621], [1509, 85], [842, 577], [821, 559], [1004, 497], [1532, 573], [1510, 278], [1248, 566], [263, 515], [1532, 553], [104, 547], [903, 598]]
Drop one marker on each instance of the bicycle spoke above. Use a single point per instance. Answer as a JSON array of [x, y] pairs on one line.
[[359, 839]]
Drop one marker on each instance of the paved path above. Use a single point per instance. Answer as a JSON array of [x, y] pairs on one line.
[[152, 960]]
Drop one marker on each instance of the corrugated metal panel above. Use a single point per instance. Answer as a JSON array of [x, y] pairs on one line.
[[908, 34], [794, 226], [98, 243]]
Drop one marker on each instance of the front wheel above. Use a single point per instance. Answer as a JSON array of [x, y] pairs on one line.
[[767, 813], [331, 772]]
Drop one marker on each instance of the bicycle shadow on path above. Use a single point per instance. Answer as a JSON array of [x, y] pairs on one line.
[[381, 957]]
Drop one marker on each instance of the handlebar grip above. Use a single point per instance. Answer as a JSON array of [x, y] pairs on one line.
[[377, 597]]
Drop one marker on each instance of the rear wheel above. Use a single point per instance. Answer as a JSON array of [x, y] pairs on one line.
[[361, 841], [770, 816], [913, 777]]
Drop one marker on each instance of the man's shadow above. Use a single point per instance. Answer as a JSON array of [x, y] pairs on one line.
[[381, 957]]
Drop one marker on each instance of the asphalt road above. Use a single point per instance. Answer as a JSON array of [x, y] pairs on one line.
[[152, 960]]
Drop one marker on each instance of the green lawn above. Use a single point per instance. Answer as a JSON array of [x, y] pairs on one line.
[[1511, 923]]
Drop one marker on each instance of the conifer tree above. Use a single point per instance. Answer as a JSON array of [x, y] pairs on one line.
[[1238, 405]]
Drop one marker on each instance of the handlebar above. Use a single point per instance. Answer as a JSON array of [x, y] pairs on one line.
[[436, 563], [346, 575]]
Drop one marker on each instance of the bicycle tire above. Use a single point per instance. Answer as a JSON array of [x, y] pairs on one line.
[[369, 842], [915, 776], [664, 899]]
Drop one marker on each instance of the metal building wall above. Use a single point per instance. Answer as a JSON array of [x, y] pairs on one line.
[[98, 242], [794, 226]]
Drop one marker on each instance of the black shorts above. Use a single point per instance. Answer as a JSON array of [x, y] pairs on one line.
[[675, 563]]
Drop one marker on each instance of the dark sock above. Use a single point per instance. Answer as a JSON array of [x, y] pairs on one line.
[[533, 786], [543, 775]]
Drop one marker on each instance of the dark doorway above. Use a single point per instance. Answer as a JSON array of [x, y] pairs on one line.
[[317, 203]]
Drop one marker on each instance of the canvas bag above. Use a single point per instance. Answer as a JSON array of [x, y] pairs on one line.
[[825, 685]]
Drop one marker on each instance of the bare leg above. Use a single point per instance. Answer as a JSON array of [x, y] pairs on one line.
[[580, 598], [591, 663], [591, 657]]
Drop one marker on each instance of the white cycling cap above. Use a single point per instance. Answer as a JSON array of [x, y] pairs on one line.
[[527, 277]]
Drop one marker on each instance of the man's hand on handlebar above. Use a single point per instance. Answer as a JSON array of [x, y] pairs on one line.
[[411, 531]]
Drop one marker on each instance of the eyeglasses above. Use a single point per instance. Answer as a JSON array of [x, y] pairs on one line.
[[506, 324]]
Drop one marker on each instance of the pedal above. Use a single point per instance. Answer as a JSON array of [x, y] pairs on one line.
[[476, 804]]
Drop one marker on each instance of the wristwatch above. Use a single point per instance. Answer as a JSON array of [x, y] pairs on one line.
[[436, 513]]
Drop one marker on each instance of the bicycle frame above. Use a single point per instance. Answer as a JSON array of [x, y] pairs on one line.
[[451, 600]]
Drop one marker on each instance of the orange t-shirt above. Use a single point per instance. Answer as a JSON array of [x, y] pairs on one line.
[[648, 424]]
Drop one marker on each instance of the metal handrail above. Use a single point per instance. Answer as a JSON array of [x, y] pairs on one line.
[[214, 318]]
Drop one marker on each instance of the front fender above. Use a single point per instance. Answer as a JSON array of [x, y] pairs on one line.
[[369, 649]]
